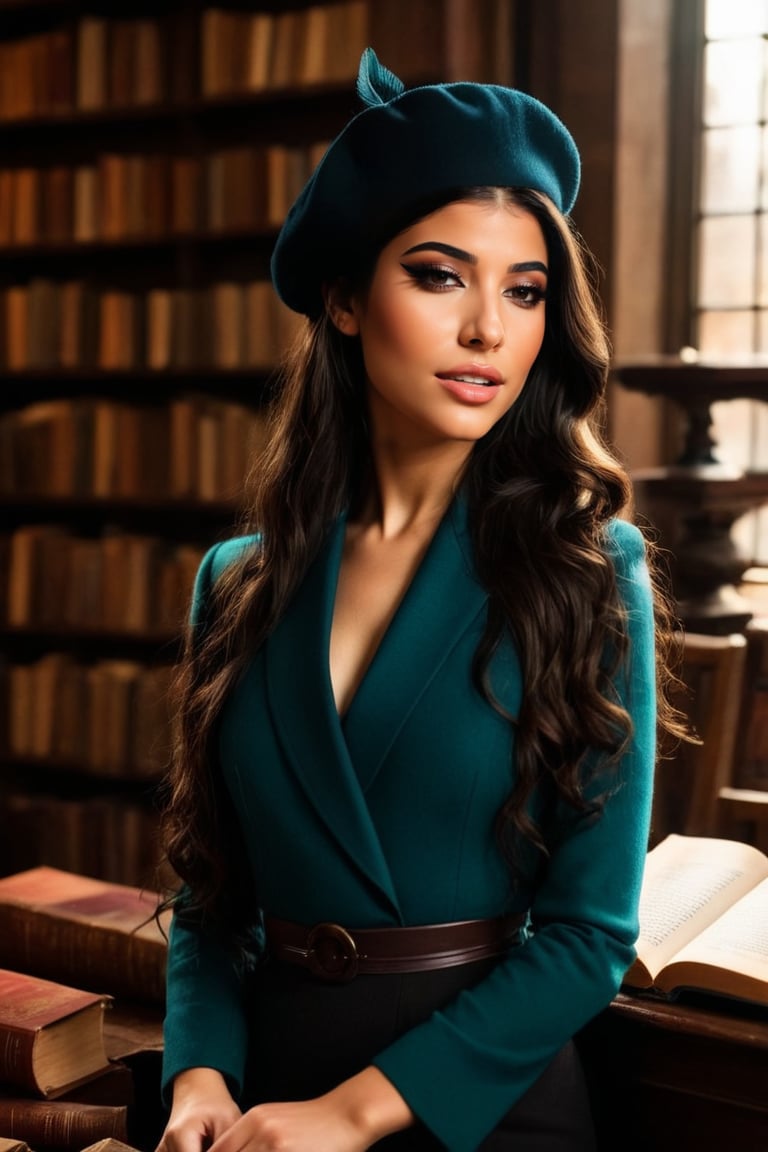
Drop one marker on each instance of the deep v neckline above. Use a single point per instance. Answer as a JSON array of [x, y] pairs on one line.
[[410, 588], [335, 767], [440, 601]]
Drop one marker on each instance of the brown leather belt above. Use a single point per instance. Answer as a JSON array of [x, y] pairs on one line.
[[337, 954]]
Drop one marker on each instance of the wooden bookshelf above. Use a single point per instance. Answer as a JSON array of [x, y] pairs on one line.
[[149, 151]]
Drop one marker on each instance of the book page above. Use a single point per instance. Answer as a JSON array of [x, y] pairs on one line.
[[689, 882], [737, 941]]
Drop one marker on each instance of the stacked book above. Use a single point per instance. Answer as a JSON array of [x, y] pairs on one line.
[[82, 977]]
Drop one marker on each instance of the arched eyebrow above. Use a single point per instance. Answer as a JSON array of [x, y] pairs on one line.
[[468, 258]]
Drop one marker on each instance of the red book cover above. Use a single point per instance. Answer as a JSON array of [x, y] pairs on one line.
[[51, 1035]]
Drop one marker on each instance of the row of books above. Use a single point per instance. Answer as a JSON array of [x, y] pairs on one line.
[[111, 836], [117, 583], [99, 64], [254, 51], [92, 65], [109, 718], [74, 324], [192, 448], [82, 983], [145, 196]]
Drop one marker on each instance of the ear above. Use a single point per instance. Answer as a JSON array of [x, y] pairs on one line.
[[340, 306]]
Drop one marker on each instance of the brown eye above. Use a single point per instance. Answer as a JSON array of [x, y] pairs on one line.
[[527, 295], [433, 277]]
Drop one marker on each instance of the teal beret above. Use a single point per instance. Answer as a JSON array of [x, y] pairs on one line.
[[405, 147]]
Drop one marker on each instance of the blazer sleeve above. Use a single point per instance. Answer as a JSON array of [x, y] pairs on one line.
[[205, 1020], [469, 1063]]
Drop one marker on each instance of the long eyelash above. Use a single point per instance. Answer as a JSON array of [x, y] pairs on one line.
[[429, 274], [533, 290]]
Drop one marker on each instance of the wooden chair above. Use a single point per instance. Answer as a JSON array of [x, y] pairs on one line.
[[743, 802], [689, 783]]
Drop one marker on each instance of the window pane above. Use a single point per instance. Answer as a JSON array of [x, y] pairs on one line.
[[762, 291], [733, 82], [743, 536], [760, 437], [725, 333], [730, 178], [760, 551], [764, 170], [732, 430], [728, 18], [762, 332], [727, 262]]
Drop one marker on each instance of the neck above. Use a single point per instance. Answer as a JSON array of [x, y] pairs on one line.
[[412, 488]]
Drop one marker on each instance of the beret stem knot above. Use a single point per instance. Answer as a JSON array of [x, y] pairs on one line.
[[376, 85]]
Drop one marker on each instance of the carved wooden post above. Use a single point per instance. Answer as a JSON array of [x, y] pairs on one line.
[[695, 502]]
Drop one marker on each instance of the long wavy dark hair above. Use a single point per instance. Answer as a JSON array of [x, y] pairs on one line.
[[541, 487]]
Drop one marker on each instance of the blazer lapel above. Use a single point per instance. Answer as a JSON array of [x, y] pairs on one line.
[[305, 716], [442, 601]]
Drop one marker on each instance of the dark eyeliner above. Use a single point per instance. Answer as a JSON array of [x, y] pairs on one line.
[[538, 293], [430, 274]]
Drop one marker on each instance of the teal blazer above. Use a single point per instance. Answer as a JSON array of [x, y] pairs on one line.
[[386, 818]]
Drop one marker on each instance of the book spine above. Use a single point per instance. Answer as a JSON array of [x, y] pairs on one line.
[[95, 957], [56, 1124], [118, 196], [17, 1058]]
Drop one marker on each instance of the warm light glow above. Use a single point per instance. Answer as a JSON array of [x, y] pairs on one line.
[[731, 293]]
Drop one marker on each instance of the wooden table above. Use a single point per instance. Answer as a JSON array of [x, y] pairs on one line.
[[667, 1077]]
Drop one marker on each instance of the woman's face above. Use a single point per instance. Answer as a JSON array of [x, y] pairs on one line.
[[451, 322]]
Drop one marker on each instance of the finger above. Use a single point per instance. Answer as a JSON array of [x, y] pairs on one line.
[[184, 1140], [234, 1138]]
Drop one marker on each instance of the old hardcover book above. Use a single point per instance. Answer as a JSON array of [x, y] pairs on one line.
[[259, 31], [91, 88], [186, 193], [62, 1124], [7, 183], [703, 917], [51, 1035], [108, 1144], [58, 71], [115, 1085], [120, 73], [58, 204], [217, 40], [285, 49], [86, 207], [64, 926], [159, 323], [148, 63], [16, 328], [8, 1144], [260, 345], [226, 306], [27, 205]]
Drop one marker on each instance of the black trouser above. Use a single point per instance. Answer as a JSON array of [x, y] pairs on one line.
[[310, 1035]]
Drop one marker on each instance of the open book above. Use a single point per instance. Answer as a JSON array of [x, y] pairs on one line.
[[703, 919]]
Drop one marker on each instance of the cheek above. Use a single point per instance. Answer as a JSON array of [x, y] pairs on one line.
[[524, 344], [391, 333]]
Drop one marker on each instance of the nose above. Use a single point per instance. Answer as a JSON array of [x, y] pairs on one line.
[[482, 326]]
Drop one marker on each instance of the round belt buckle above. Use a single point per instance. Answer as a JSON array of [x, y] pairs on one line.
[[332, 953]]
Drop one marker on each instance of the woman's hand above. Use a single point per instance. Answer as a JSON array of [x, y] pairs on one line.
[[203, 1110], [353, 1116]]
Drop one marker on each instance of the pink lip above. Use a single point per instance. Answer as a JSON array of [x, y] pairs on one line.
[[492, 375], [472, 393]]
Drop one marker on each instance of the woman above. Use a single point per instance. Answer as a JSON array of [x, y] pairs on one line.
[[411, 797]]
